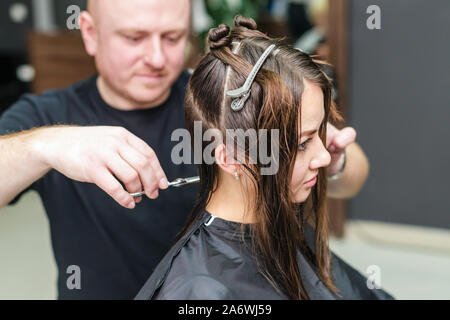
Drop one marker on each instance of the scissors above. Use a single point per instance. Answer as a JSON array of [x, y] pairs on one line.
[[175, 183]]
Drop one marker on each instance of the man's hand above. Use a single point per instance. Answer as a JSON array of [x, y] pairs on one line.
[[337, 141], [357, 166], [103, 156]]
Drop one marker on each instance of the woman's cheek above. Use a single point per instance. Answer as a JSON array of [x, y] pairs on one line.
[[298, 175]]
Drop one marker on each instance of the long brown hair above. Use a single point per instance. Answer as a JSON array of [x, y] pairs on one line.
[[274, 103]]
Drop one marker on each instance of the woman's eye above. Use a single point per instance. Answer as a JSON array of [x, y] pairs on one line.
[[302, 146]]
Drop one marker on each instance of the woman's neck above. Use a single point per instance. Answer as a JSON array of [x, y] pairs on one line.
[[229, 202]]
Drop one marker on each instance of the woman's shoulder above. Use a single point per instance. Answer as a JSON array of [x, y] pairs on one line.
[[185, 271], [194, 271]]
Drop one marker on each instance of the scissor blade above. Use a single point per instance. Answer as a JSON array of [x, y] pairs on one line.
[[175, 183]]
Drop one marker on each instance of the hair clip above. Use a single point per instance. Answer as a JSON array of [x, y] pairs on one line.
[[241, 94]]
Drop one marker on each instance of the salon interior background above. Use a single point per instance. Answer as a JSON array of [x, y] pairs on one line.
[[392, 83]]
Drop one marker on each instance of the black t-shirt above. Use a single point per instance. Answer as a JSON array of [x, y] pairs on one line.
[[115, 248]]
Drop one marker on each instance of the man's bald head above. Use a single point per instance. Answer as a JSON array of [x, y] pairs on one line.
[[96, 7], [92, 6], [139, 45]]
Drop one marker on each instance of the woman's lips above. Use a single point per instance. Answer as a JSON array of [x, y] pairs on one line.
[[311, 182]]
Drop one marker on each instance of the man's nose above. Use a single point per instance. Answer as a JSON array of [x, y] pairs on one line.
[[154, 53], [321, 159]]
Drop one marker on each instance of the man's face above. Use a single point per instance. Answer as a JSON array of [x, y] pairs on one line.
[[140, 47]]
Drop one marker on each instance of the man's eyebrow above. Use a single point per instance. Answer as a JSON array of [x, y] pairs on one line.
[[131, 30], [175, 30], [135, 30]]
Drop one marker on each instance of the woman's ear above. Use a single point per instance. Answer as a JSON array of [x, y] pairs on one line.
[[225, 160], [88, 33]]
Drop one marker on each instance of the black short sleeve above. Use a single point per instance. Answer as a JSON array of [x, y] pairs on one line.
[[20, 116], [29, 112]]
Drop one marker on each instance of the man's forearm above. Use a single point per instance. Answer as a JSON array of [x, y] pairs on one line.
[[354, 175], [20, 163]]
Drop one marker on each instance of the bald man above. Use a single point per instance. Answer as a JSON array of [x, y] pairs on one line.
[[86, 147], [124, 118]]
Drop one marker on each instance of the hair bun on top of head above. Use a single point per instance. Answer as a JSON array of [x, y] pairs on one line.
[[219, 37], [241, 21]]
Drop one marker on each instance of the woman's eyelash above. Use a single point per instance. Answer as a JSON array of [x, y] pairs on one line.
[[302, 146]]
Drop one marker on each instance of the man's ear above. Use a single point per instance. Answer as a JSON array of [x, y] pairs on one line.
[[225, 160], [88, 33]]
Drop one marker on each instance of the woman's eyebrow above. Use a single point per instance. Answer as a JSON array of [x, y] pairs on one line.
[[309, 132]]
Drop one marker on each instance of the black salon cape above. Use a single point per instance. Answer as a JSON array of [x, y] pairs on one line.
[[210, 263]]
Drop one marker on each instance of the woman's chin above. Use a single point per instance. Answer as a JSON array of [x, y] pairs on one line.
[[301, 197]]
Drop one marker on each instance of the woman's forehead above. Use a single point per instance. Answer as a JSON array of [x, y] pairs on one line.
[[312, 107]]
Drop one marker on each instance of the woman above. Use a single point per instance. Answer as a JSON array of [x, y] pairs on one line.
[[259, 228]]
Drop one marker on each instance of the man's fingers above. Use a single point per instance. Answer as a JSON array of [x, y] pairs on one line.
[[105, 180], [331, 132], [125, 173], [143, 167], [148, 153], [159, 173], [345, 137]]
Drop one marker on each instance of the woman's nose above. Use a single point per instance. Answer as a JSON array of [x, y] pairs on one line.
[[321, 159]]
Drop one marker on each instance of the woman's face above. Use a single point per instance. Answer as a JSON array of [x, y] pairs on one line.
[[311, 153]]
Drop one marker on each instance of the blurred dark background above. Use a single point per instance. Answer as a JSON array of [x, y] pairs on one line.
[[399, 103]]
